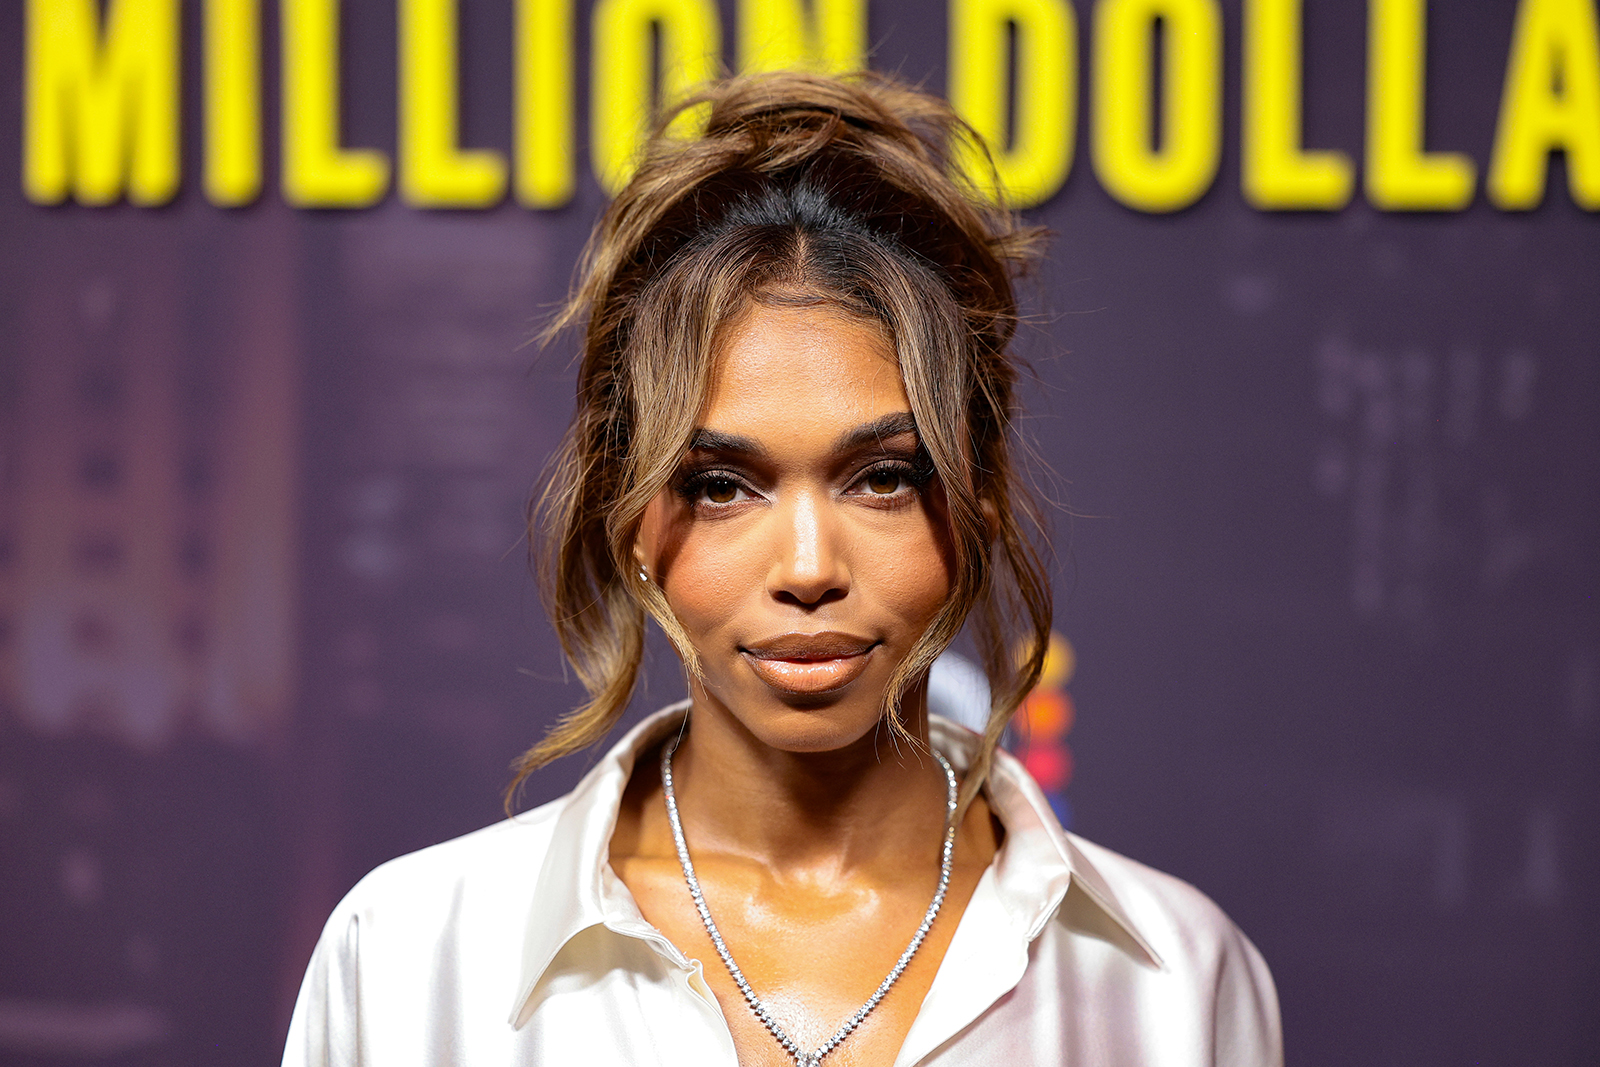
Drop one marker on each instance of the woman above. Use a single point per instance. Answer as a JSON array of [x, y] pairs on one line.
[[791, 451]]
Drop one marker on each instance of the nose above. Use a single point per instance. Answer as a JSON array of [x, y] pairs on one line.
[[809, 567]]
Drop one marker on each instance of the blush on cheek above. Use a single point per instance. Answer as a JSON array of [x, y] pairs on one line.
[[664, 541], [703, 574], [701, 593], [933, 557], [914, 579], [927, 588]]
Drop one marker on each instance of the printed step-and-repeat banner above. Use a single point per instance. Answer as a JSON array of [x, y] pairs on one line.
[[1314, 390]]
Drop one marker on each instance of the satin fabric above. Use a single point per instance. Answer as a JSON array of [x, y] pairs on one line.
[[518, 945]]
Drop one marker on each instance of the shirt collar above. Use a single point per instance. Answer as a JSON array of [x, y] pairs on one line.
[[576, 889], [1038, 862]]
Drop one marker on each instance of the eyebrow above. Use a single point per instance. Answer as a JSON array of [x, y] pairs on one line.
[[894, 424]]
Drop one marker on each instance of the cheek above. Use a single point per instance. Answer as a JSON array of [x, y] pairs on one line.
[[913, 571], [699, 567], [699, 586]]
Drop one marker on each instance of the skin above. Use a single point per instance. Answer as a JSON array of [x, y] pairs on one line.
[[815, 836]]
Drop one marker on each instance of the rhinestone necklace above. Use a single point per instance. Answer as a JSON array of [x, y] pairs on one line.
[[800, 1056]]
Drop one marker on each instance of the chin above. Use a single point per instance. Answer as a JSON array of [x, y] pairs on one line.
[[810, 722]]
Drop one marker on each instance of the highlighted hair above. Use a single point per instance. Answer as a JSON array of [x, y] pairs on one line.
[[811, 190]]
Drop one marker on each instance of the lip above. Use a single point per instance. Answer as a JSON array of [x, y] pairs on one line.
[[809, 664]]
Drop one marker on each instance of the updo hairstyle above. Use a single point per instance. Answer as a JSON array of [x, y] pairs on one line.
[[811, 191]]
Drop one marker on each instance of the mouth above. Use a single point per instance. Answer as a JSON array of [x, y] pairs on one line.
[[809, 664]]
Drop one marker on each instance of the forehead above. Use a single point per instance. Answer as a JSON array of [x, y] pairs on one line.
[[782, 371]]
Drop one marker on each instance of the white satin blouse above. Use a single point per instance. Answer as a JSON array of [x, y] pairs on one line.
[[518, 945]]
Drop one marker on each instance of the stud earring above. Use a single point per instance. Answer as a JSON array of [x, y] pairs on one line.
[[644, 575]]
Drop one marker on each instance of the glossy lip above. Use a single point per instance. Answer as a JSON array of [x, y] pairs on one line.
[[809, 664]]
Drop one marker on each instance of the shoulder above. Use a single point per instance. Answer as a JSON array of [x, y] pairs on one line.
[[485, 877], [424, 949], [1174, 917], [1198, 965], [421, 961]]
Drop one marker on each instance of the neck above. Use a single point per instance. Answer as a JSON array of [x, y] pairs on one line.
[[877, 802]]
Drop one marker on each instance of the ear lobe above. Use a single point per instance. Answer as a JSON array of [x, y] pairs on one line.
[[648, 543]]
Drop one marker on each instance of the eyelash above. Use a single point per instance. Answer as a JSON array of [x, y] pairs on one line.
[[695, 482], [915, 475]]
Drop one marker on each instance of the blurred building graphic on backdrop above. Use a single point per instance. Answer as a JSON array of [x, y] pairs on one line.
[[151, 504], [149, 619]]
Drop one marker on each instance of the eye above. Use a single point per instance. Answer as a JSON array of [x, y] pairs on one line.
[[714, 489], [884, 481], [719, 490], [889, 482]]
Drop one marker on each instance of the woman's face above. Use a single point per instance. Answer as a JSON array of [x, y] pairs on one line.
[[803, 542]]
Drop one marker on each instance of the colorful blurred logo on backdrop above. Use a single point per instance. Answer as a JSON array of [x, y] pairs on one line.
[[1042, 724]]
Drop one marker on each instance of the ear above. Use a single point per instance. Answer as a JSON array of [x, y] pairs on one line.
[[643, 536]]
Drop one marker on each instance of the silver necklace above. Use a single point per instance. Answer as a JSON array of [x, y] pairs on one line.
[[800, 1056]]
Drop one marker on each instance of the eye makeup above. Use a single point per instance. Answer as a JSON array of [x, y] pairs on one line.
[[881, 463]]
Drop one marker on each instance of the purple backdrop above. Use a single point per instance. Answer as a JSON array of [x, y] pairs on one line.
[[1329, 568]]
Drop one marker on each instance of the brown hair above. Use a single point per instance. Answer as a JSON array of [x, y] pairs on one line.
[[802, 188]]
